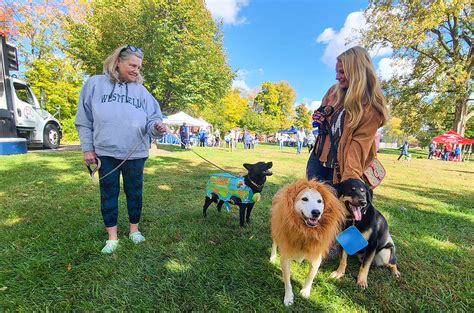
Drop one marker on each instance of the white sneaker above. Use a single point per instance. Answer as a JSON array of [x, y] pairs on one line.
[[110, 246], [136, 237]]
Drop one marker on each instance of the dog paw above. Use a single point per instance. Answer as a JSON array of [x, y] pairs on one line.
[[397, 274], [305, 292], [336, 275], [273, 259], [288, 300], [362, 283]]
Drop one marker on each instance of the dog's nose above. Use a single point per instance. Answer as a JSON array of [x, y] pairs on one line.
[[363, 202], [315, 213]]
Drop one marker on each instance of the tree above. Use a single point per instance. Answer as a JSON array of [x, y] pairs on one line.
[[226, 114], [393, 131], [286, 99], [436, 37], [267, 100], [7, 21], [184, 65], [35, 29], [276, 100], [303, 117], [259, 122], [59, 82]]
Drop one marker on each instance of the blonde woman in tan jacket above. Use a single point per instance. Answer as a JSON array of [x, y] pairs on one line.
[[350, 114]]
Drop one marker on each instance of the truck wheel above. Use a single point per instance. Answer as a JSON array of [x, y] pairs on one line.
[[51, 137]]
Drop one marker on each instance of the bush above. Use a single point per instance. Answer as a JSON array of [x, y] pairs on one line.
[[69, 130]]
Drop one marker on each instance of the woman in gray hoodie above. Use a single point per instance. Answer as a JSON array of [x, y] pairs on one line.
[[116, 117]]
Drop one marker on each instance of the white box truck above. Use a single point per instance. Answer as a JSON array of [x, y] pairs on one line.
[[21, 115]]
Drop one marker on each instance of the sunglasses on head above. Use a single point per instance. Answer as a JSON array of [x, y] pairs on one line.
[[131, 48]]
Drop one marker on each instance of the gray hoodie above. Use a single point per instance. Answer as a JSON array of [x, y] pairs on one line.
[[116, 119]]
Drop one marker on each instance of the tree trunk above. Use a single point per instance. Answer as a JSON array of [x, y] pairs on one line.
[[460, 118]]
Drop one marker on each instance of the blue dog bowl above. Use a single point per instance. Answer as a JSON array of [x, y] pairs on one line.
[[352, 240]]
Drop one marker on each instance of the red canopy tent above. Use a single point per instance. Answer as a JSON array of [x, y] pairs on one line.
[[453, 138]]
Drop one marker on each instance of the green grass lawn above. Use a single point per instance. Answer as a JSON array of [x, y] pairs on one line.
[[51, 233]]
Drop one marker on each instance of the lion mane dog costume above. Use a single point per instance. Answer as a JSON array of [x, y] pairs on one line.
[[306, 217]]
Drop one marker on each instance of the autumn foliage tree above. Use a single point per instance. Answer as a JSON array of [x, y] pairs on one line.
[[302, 117], [34, 26], [436, 38], [275, 101], [184, 62]]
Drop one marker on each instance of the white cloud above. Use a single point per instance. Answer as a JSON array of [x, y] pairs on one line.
[[388, 68], [326, 36], [314, 105], [347, 37], [243, 73], [227, 10], [241, 85]]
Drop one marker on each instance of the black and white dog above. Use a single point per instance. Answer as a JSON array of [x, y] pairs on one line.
[[357, 197]]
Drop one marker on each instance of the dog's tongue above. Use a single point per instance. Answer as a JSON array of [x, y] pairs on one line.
[[356, 213]]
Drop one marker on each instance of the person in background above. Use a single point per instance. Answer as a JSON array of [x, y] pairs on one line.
[[233, 139], [431, 150], [202, 137], [116, 116], [345, 145], [311, 138], [457, 153], [447, 152], [217, 138], [227, 139], [300, 137], [184, 135], [281, 140], [404, 150], [247, 139]]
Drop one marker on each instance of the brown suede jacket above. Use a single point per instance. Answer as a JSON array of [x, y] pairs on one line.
[[357, 146]]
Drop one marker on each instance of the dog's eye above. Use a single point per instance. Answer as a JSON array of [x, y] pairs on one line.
[[362, 189], [319, 201], [353, 188], [304, 199]]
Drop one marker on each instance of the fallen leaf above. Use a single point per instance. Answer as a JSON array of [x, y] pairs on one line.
[[69, 267], [3, 288]]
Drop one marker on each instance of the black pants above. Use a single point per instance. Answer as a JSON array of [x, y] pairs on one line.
[[132, 173]]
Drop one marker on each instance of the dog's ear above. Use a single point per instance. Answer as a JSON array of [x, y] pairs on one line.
[[247, 166], [370, 193], [269, 164], [338, 188]]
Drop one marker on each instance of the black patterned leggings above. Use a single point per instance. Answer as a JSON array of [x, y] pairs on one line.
[[132, 173]]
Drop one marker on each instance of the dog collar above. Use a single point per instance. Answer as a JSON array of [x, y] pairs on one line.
[[254, 183]]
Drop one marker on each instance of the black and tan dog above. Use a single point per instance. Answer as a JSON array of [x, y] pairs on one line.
[[242, 191], [357, 197]]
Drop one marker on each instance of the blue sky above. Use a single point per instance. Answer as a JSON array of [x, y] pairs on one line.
[[292, 40]]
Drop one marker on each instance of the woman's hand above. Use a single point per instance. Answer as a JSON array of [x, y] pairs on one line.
[[160, 127], [90, 157], [318, 117]]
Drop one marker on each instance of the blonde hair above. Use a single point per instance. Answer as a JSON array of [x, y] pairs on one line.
[[110, 64], [364, 87]]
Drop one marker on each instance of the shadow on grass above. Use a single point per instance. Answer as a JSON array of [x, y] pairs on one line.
[[461, 200]]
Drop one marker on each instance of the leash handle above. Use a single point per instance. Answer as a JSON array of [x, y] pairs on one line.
[[93, 171]]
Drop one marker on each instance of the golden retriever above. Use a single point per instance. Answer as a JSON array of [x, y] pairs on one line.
[[306, 217]]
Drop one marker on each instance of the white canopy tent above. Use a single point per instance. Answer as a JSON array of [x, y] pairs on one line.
[[181, 117]]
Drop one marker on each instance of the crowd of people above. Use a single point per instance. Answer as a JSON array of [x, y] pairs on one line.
[[204, 137], [445, 152]]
